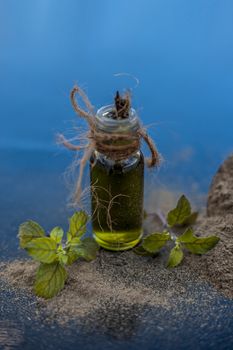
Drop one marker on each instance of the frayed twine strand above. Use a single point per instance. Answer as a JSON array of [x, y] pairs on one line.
[[105, 143]]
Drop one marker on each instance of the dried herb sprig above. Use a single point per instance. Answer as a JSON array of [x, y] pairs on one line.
[[122, 105]]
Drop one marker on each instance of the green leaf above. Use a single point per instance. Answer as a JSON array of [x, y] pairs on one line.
[[191, 219], [142, 252], [77, 225], [187, 236], [56, 234], [63, 258], [29, 230], [87, 249], [42, 249], [62, 255], [72, 256], [182, 211], [176, 256], [50, 279], [74, 241], [155, 241], [197, 245]]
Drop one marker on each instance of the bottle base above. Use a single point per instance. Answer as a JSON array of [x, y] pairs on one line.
[[117, 241]]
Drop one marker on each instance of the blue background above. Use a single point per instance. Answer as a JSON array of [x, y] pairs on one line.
[[181, 51]]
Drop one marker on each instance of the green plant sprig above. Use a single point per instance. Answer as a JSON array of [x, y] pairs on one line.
[[179, 217], [54, 254]]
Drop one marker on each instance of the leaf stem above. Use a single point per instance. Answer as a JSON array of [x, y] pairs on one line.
[[165, 225]]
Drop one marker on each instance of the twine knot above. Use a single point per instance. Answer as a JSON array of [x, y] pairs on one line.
[[115, 145]]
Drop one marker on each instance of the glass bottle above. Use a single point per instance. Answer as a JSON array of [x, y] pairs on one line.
[[117, 186]]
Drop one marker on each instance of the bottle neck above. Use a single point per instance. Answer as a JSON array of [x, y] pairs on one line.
[[117, 139], [106, 161]]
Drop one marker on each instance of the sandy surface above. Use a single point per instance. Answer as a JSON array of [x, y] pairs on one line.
[[124, 281], [127, 279], [220, 198]]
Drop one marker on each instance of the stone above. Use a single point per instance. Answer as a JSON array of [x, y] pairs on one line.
[[220, 197]]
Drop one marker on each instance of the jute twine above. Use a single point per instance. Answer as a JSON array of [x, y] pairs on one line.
[[107, 144]]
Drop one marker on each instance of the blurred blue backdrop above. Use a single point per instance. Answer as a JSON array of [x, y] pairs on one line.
[[181, 51]]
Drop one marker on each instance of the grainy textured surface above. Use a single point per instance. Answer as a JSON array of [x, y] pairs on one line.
[[127, 279], [120, 299], [216, 266], [220, 198]]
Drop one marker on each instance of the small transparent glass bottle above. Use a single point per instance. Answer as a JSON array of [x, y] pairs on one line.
[[117, 186]]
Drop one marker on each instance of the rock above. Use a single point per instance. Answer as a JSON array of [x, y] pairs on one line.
[[216, 266], [220, 197]]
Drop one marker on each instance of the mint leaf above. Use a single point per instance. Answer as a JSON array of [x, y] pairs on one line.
[[50, 279], [62, 255], [56, 234], [187, 236], [197, 245], [53, 255], [182, 211], [142, 252], [77, 225], [155, 241], [63, 258], [28, 231], [87, 249], [191, 219], [72, 256], [42, 249], [175, 257], [74, 241]]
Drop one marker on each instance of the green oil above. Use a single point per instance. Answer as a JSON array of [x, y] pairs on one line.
[[117, 201]]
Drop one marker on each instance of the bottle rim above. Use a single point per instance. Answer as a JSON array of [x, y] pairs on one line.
[[107, 124]]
